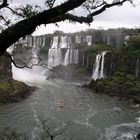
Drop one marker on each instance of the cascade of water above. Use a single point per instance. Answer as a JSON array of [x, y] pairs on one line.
[[34, 55], [55, 53], [78, 39], [89, 40], [71, 56], [102, 65], [64, 42], [55, 42], [95, 74], [69, 42], [98, 70], [137, 68], [54, 57], [76, 56], [67, 58]]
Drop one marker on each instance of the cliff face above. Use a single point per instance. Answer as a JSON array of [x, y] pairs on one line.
[[11, 90], [79, 49], [5, 68]]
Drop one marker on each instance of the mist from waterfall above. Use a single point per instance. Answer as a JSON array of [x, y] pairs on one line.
[[98, 68], [35, 73], [62, 51]]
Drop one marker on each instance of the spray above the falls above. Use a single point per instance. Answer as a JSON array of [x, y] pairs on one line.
[[98, 68]]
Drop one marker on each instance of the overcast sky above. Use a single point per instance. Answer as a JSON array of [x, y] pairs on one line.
[[123, 16]]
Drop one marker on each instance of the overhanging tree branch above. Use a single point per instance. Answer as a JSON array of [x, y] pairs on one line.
[[106, 5], [71, 17], [4, 4], [53, 15]]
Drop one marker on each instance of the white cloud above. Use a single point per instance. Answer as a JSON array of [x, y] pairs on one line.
[[125, 16]]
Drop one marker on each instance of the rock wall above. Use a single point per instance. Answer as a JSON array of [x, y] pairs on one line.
[[77, 48], [5, 68]]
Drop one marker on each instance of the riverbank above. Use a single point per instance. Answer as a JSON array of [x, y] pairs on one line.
[[14, 91], [121, 85]]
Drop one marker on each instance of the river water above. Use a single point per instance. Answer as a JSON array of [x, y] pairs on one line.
[[89, 116]]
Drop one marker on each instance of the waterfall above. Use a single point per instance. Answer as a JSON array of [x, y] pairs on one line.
[[55, 53], [95, 74], [67, 58], [71, 57], [89, 40], [102, 65], [137, 68], [55, 42], [78, 39], [76, 56], [54, 57], [69, 42], [64, 42], [98, 69], [34, 55]]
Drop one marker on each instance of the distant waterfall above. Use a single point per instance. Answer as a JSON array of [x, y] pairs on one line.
[[89, 40], [69, 42], [54, 57], [55, 42], [98, 70], [67, 58], [71, 57], [56, 54], [34, 55], [78, 39], [64, 42], [76, 56], [35, 48]]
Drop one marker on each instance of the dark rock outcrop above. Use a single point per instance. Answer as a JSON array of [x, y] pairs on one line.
[[5, 68], [11, 90]]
